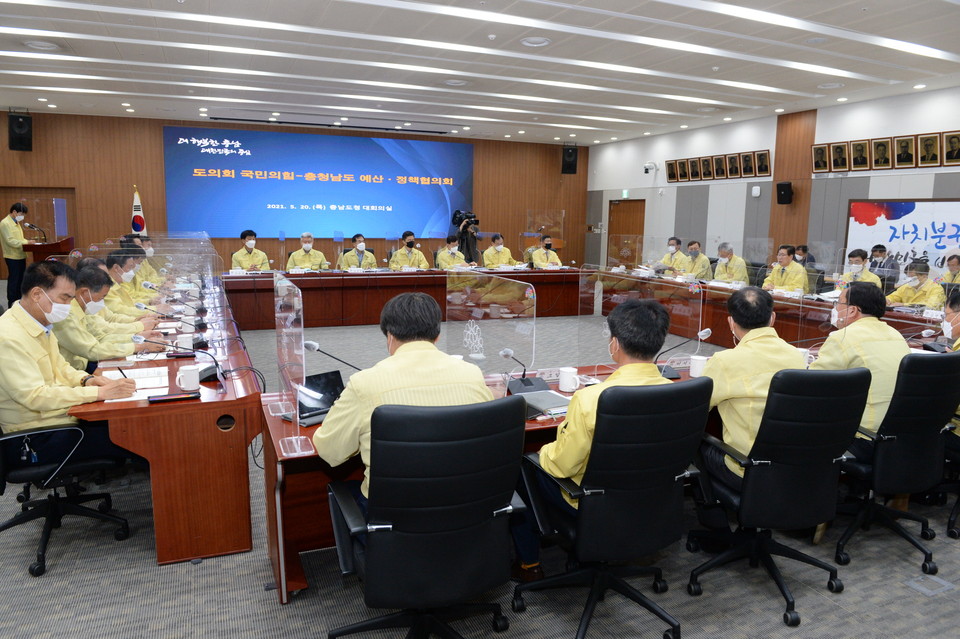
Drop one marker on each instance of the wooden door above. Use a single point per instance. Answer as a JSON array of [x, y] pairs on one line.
[[625, 232]]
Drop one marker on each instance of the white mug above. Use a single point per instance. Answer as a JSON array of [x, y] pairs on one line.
[[697, 362], [185, 340], [569, 381], [494, 311], [188, 377], [189, 310]]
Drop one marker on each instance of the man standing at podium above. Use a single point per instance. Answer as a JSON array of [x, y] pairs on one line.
[[12, 240]]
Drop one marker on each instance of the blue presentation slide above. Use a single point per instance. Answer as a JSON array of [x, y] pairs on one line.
[[223, 181]]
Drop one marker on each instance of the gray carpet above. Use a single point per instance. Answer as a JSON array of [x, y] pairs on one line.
[[96, 586]]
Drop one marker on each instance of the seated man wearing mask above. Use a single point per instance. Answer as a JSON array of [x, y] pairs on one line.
[[306, 257], [250, 258], [408, 255], [699, 267], [919, 289], [786, 274], [497, 253], [545, 255], [37, 385], [449, 257], [120, 265], [674, 261], [857, 270], [730, 267], [951, 330], [952, 274], [358, 256], [107, 324]]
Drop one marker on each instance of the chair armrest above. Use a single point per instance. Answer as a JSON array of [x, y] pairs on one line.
[[729, 450], [565, 484], [516, 505], [948, 428], [529, 468], [349, 508], [46, 430], [869, 434]]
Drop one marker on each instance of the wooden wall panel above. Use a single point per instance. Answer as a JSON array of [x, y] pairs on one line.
[[101, 158], [795, 134]]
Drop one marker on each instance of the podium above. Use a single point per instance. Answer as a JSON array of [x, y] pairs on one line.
[[42, 251]]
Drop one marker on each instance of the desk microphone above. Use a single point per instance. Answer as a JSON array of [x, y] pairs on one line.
[[702, 335], [315, 347], [206, 374], [143, 307], [37, 229], [524, 384], [927, 332]]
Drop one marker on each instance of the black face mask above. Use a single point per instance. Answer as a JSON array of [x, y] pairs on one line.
[[548, 246], [410, 244]]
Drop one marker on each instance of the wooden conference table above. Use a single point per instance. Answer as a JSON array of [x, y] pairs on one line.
[[335, 298], [197, 451]]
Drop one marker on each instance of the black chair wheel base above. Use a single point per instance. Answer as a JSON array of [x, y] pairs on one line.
[[928, 533], [660, 586], [670, 634], [500, 623], [842, 558], [694, 589], [121, 533], [37, 568], [518, 604], [106, 505], [929, 568], [953, 533], [693, 545], [835, 585], [791, 618]]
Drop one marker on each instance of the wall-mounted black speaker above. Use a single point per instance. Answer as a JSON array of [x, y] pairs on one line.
[[20, 129], [568, 163], [784, 193]]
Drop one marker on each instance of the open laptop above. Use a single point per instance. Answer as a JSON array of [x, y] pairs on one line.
[[316, 397]]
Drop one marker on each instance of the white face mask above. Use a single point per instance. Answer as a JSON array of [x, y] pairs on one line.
[[92, 308], [834, 317], [914, 282], [361, 246], [947, 329], [18, 218], [250, 244], [307, 247], [855, 268], [498, 247], [58, 312], [137, 267], [671, 249], [127, 276], [453, 251], [722, 260], [148, 251]]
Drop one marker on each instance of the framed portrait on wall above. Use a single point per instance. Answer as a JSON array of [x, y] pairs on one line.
[[693, 169], [905, 148], [819, 157], [671, 170], [733, 165], [880, 154], [928, 149], [860, 155], [747, 166], [951, 148], [719, 167], [839, 157], [706, 168], [762, 163], [682, 174]]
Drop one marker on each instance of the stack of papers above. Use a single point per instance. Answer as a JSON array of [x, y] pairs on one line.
[[151, 377]]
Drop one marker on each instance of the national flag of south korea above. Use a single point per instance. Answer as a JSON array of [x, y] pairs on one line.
[[137, 223]]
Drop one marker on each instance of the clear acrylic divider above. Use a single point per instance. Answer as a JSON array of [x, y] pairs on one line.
[[624, 250], [432, 245], [759, 254], [491, 323], [288, 307]]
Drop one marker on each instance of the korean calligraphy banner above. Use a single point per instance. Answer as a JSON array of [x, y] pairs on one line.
[[225, 180], [921, 230]]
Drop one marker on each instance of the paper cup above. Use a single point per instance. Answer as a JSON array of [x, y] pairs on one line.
[[697, 362]]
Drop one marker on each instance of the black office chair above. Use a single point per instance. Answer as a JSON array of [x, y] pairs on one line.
[[442, 483], [791, 473], [759, 272], [62, 473], [908, 449], [631, 497], [952, 485]]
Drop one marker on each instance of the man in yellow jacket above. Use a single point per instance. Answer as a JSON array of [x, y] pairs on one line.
[[730, 267], [786, 274], [408, 255], [449, 257], [951, 330], [12, 242], [545, 256], [919, 289], [497, 254], [307, 257], [358, 256], [857, 270], [249, 257]]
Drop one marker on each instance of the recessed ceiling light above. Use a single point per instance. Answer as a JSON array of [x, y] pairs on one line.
[[130, 110], [276, 115], [816, 40], [398, 127], [455, 131], [707, 109], [646, 133], [272, 119], [41, 45], [453, 82], [203, 109], [124, 104], [573, 135], [614, 139], [521, 132], [406, 124], [507, 135], [779, 110], [684, 126], [336, 123], [52, 106], [841, 99], [727, 119], [203, 115], [556, 138], [535, 41], [596, 141], [41, 99], [831, 85], [466, 128], [919, 86]]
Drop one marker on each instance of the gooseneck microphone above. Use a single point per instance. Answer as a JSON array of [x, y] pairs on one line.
[[143, 307], [524, 384], [702, 335], [507, 353], [315, 347], [37, 229]]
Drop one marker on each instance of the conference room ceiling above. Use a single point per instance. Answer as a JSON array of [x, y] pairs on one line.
[[553, 71]]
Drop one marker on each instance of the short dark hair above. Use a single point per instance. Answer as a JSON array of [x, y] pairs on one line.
[[953, 258], [858, 253], [406, 234], [750, 307], [90, 262], [355, 237], [128, 244], [19, 207], [452, 238], [917, 267], [94, 279], [953, 301], [132, 237], [247, 233], [495, 237], [640, 326], [878, 247], [45, 274], [674, 239], [135, 251], [789, 248], [119, 257], [544, 238], [868, 298], [411, 317], [692, 242], [803, 247]]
